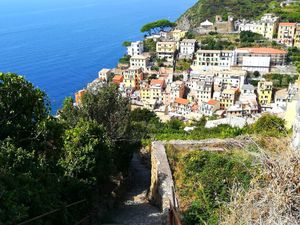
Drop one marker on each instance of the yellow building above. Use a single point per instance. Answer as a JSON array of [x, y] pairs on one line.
[[290, 112], [297, 37], [264, 91], [286, 33], [145, 92], [266, 26], [132, 78], [154, 91], [177, 35], [228, 98], [166, 50]]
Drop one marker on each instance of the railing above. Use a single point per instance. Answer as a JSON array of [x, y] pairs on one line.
[[34, 219]]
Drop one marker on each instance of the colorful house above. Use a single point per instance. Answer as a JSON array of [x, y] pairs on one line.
[[264, 92], [79, 95]]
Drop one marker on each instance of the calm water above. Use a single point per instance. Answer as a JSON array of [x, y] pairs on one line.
[[59, 45]]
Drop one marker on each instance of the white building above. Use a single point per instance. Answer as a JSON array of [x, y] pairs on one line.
[[259, 59], [200, 91], [266, 26], [136, 48], [104, 74], [139, 61], [187, 48], [247, 93], [213, 60], [181, 107], [229, 79], [210, 107], [281, 98], [177, 90]]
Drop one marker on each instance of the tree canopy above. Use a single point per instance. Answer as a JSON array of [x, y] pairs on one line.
[[157, 26], [47, 162]]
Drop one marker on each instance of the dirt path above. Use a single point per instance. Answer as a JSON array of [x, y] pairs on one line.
[[135, 209]]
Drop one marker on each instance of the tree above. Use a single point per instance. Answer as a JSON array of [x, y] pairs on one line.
[[125, 59], [68, 115], [22, 107], [146, 115], [108, 108], [256, 74], [126, 43], [86, 155], [149, 45], [249, 37], [157, 26]]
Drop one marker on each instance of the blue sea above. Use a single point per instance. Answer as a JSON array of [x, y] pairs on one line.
[[60, 45]]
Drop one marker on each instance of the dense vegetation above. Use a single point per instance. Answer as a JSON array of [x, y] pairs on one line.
[[289, 13], [294, 57], [125, 59], [232, 41], [204, 180], [183, 65], [208, 9], [49, 162], [216, 44], [281, 80], [149, 45], [248, 9], [152, 128]]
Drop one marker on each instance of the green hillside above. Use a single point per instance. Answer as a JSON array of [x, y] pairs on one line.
[[248, 9]]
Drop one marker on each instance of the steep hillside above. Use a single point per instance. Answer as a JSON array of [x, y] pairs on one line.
[[207, 9]]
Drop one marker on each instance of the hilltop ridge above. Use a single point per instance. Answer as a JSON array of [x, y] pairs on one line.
[[239, 9]]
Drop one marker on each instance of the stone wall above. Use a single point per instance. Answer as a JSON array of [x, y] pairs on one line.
[[162, 184], [161, 191]]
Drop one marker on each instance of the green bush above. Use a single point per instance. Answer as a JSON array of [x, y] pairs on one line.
[[269, 125], [208, 178]]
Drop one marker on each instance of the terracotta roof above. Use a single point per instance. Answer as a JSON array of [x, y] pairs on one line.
[[264, 50], [181, 101], [157, 82], [118, 78], [287, 24], [212, 102]]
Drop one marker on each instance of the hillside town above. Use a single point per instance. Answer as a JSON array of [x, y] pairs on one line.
[[179, 78]]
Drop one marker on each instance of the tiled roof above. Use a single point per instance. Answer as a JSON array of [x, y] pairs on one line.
[[287, 24], [157, 82], [181, 101], [212, 102], [118, 78], [264, 50]]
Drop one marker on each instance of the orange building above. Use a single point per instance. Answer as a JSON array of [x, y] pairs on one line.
[[79, 95], [118, 79]]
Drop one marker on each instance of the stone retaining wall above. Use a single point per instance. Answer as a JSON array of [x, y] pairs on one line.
[[162, 184], [161, 190]]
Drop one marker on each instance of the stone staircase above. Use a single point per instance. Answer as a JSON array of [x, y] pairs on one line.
[[135, 209]]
